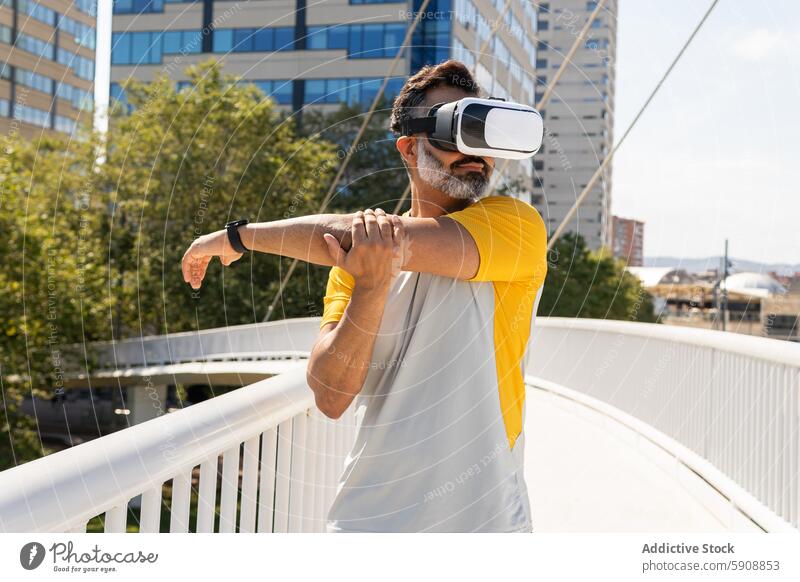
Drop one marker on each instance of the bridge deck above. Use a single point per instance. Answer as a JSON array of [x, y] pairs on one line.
[[583, 478]]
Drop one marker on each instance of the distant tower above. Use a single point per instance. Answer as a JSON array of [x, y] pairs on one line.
[[627, 237], [578, 118]]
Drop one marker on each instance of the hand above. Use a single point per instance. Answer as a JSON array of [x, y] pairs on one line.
[[374, 255], [202, 250]]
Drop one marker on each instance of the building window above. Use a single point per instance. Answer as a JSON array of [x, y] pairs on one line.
[[86, 6], [36, 46], [64, 124], [82, 34], [279, 91], [148, 47], [350, 91], [82, 67], [541, 63], [33, 80], [246, 40], [138, 6], [78, 98], [32, 115], [37, 11], [366, 41], [542, 25], [596, 43]]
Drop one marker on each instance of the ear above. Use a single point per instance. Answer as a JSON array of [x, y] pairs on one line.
[[407, 146]]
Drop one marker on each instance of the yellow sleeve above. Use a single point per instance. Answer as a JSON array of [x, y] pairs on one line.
[[511, 238], [337, 295]]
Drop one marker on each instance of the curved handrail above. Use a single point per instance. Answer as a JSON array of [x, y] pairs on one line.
[[778, 351], [74, 485]]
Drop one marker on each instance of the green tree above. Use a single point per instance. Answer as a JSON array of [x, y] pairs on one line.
[[582, 283], [92, 249], [180, 164], [375, 176], [52, 276]]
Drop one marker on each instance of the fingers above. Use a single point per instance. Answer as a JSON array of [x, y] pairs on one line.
[[335, 249], [358, 230], [185, 265], [197, 270], [384, 224], [398, 230], [371, 222]]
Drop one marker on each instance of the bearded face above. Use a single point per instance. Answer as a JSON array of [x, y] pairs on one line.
[[465, 178]]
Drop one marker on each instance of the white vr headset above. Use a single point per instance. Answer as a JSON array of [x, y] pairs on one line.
[[481, 127]]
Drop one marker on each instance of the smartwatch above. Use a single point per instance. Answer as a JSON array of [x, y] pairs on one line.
[[233, 235]]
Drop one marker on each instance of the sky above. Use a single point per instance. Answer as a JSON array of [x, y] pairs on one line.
[[717, 153]]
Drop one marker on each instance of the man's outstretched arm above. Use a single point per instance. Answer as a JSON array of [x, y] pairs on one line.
[[440, 246]]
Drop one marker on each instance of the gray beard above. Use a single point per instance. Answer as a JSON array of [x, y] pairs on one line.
[[433, 173]]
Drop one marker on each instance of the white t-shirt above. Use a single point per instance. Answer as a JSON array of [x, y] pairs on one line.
[[440, 446]]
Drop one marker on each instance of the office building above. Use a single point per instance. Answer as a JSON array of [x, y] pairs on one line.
[[47, 63], [579, 116], [627, 238], [321, 55]]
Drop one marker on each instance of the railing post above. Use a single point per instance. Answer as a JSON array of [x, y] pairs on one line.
[[266, 497], [207, 498], [297, 473], [247, 521], [230, 490]]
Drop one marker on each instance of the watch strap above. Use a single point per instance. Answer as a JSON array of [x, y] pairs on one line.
[[233, 235]]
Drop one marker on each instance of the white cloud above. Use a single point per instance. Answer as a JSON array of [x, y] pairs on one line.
[[762, 43]]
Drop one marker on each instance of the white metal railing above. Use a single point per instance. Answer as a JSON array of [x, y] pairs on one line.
[[280, 460], [286, 339], [732, 400]]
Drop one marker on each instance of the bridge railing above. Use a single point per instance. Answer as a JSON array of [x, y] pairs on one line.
[[732, 400], [280, 460], [284, 339]]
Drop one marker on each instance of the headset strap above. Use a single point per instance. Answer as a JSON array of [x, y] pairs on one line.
[[419, 125]]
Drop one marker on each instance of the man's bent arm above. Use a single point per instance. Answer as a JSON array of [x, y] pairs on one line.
[[342, 355]]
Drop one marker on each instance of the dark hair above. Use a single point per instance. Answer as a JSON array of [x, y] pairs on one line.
[[450, 73]]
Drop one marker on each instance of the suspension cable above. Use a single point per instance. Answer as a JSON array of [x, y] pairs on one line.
[[574, 208]]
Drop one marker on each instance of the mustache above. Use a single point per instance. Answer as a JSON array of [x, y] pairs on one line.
[[470, 160]]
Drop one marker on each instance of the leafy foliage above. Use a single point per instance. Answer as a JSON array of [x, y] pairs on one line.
[[182, 164], [582, 283], [375, 176]]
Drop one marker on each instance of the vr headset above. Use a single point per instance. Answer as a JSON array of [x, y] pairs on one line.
[[481, 127]]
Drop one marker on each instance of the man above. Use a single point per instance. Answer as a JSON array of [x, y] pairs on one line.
[[426, 322]]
